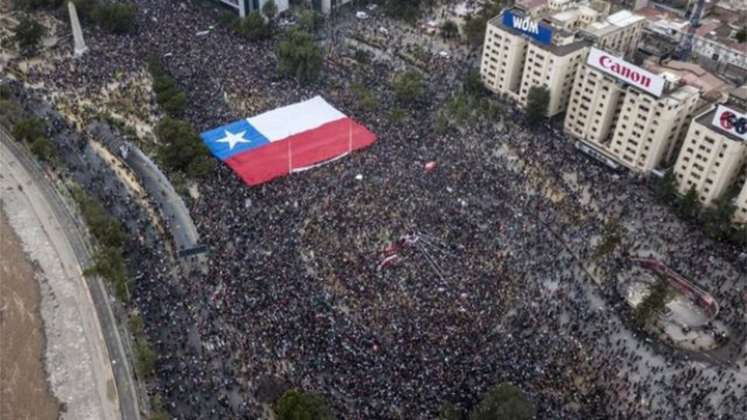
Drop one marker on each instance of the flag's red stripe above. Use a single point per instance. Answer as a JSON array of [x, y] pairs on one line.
[[262, 164]]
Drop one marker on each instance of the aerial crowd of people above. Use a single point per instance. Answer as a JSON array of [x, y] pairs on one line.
[[495, 280]]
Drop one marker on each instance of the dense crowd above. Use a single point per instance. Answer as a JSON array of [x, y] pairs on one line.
[[496, 287]]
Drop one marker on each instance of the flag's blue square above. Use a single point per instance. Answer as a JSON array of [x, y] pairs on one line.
[[231, 139]]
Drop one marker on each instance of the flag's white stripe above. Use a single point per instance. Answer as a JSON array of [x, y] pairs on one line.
[[294, 119]]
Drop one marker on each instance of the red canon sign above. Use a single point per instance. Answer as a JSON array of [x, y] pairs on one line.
[[625, 71]]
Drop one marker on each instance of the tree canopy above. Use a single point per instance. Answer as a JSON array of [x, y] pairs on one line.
[[309, 20], [472, 83], [181, 148], [449, 29], [28, 34], [689, 206], [742, 34], [29, 129], [299, 57], [538, 100], [666, 187], [503, 402], [717, 220], [117, 18], [168, 94], [254, 27], [299, 405], [474, 26], [407, 10], [408, 86], [270, 9]]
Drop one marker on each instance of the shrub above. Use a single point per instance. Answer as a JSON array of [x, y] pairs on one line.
[[29, 129], [181, 149], [116, 18], [299, 57], [42, 149], [145, 359], [28, 34], [296, 404]]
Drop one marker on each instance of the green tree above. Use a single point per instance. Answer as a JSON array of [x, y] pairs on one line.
[[718, 220], [168, 95], [472, 83], [11, 113], [612, 235], [28, 34], [116, 18], [86, 9], [366, 99], [181, 148], [441, 125], [459, 108], [29, 129], [739, 236], [361, 56], [108, 262], [42, 149], [106, 229], [449, 29], [503, 402], [254, 27], [270, 9], [406, 10], [309, 20], [538, 101], [145, 359], [652, 305], [408, 86], [742, 35], [299, 405], [666, 187], [136, 325], [688, 207], [174, 104], [475, 25], [299, 57], [158, 411]]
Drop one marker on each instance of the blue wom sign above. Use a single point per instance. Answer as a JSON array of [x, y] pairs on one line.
[[535, 30]]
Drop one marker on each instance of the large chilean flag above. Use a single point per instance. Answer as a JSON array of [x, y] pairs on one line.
[[285, 140]]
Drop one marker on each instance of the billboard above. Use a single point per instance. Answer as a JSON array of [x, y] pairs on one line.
[[733, 122], [626, 72], [533, 29]]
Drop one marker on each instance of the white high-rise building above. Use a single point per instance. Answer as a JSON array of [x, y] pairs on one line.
[[626, 114], [713, 157]]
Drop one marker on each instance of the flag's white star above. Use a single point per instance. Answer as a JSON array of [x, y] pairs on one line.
[[232, 139]]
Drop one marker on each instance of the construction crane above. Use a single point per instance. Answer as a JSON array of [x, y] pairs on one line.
[[685, 47]]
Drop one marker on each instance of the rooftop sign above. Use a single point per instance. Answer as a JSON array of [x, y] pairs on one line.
[[533, 29], [626, 72], [731, 121]]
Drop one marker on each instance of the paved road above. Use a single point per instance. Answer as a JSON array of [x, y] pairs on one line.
[[128, 402]]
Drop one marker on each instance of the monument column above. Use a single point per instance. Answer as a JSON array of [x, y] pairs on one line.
[[79, 44]]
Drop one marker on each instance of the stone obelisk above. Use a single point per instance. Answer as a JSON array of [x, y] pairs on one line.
[[79, 44]]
